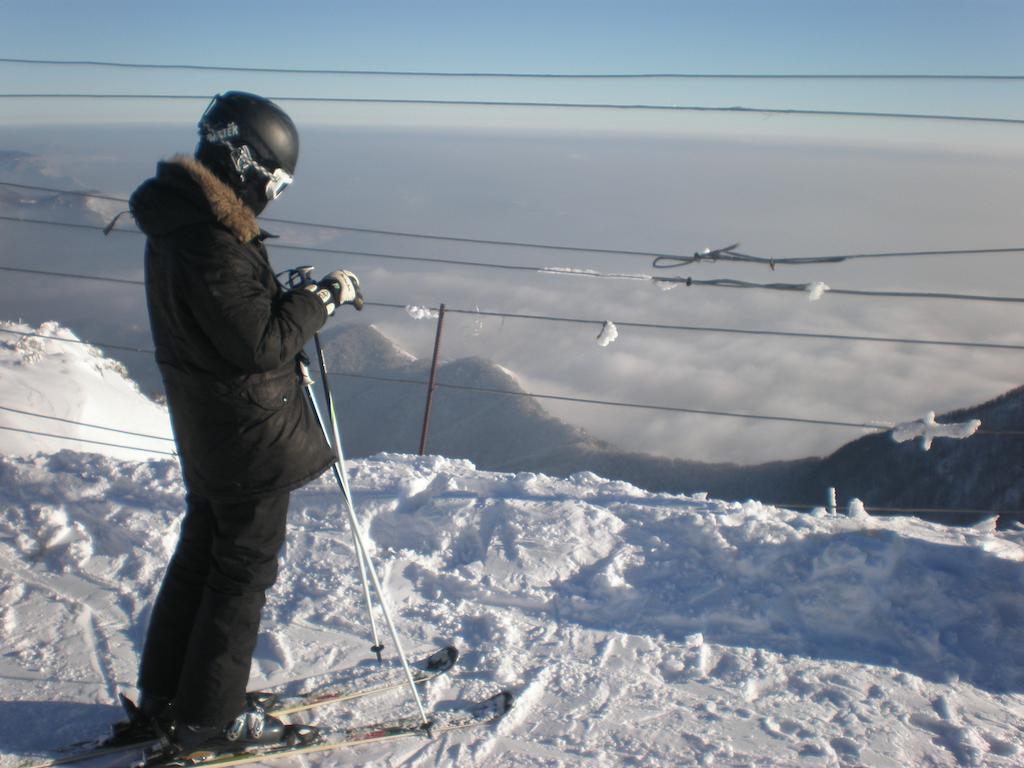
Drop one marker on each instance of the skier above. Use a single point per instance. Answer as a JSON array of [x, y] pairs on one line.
[[228, 338]]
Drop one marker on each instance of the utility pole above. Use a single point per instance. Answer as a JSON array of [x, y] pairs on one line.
[[432, 385]]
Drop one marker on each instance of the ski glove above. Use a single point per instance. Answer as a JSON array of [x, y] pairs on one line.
[[339, 287]]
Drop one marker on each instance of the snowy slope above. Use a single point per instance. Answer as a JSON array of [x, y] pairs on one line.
[[52, 390], [637, 629]]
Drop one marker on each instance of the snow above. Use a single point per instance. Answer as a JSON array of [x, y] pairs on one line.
[[62, 388], [608, 334], [417, 312], [104, 208], [635, 628], [816, 290], [583, 272], [396, 350], [928, 429]]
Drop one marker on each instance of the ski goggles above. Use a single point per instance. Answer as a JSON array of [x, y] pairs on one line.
[[277, 181]]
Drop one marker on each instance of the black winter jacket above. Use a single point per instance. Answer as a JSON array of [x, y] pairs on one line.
[[226, 338]]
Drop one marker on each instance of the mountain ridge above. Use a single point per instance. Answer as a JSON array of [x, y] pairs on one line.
[[512, 432]]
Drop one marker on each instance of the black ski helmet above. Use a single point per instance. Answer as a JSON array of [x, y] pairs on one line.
[[253, 138]]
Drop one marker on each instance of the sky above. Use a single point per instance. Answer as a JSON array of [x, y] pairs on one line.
[[571, 35], [641, 180], [592, 36]]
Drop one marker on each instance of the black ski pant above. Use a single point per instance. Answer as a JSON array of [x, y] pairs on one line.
[[206, 620]]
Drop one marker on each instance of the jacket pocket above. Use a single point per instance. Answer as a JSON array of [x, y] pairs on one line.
[[272, 393]]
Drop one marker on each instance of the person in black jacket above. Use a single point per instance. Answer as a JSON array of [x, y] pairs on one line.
[[227, 338]]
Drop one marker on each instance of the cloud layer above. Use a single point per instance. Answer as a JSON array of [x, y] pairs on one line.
[[630, 192]]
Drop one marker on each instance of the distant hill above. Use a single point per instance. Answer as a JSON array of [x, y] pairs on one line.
[[980, 473], [36, 171], [983, 472], [493, 431], [514, 433], [25, 165]]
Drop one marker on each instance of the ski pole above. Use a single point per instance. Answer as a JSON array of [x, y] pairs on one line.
[[298, 277], [341, 477], [377, 646]]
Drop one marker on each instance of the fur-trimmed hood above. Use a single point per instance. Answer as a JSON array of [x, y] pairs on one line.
[[185, 192]]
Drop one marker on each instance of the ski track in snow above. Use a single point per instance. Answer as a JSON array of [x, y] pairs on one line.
[[636, 629]]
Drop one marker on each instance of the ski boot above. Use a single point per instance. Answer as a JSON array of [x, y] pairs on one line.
[[153, 718], [149, 720], [252, 730]]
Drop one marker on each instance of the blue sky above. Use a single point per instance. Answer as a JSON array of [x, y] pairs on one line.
[[973, 36], [795, 36]]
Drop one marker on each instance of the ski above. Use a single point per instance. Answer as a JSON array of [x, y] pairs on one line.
[[312, 740], [369, 684], [358, 684]]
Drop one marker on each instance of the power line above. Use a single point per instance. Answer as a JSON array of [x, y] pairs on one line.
[[601, 321], [591, 401], [742, 331], [572, 399], [875, 510], [398, 233], [99, 344], [56, 191], [519, 75], [65, 224], [48, 273], [805, 287], [661, 260], [385, 379], [84, 424], [83, 440], [729, 254], [688, 281], [940, 510], [648, 406], [541, 105], [669, 408], [884, 511], [643, 406]]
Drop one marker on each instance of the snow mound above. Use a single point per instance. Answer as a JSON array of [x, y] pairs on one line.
[[635, 628], [58, 393]]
